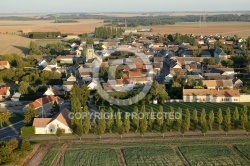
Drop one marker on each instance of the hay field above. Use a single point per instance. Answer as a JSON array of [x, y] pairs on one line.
[[225, 28]]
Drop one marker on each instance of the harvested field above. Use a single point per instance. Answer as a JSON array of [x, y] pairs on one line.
[[11, 43], [83, 26], [211, 28]]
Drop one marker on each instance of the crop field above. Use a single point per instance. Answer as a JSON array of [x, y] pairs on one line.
[[100, 157], [168, 152], [191, 106], [151, 156], [47, 160], [245, 150], [211, 155]]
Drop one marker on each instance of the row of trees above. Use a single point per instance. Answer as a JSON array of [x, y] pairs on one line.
[[18, 61], [11, 151], [148, 121], [107, 32], [30, 77], [43, 35], [49, 49]]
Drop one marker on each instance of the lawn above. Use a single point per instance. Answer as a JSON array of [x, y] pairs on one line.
[[151, 156], [100, 157], [244, 149], [211, 155], [50, 156]]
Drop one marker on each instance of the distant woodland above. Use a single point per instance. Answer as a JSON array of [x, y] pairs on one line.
[[138, 20]]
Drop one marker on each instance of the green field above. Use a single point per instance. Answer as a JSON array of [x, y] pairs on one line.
[[183, 106], [151, 156], [100, 157], [244, 149], [47, 160], [211, 155]]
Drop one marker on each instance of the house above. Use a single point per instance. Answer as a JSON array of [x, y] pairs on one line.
[[223, 71], [68, 85], [219, 54], [42, 63], [93, 85], [168, 78], [4, 92], [44, 104], [205, 54], [52, 91], [110, 42], [4, 65], [218, 84], [85, 73], [237, 82], [68, 59], [52, 64], [50, 125], [16, 97], [210, 95]]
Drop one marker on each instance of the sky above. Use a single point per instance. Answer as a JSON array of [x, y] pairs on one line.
[[62, 6]]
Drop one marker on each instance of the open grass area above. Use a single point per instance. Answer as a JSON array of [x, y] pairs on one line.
[[47, 160], [100, 157], [151, 156], [211, 155], [191, 106], [244, 149]]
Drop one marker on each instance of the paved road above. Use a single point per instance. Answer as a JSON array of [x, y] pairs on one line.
[[11, 131]]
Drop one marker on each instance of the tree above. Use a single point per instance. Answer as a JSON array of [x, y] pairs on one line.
[[247, 127], [27, 132], [143, 124], [30, 113], [204, 127], [160, 117], [157, 92], [110, 120], [23, 87], [236, 117], [170, 120], [179, 121], [151, 119], [187, 119], [211, 61], [219, 118], [135, 118], [227, 122], [55, 108], [75, 108], [163, 129], [126, 124], [244, 116], [59, 133], [86, 120], [203, 116], [26, 146], [101, 123], [183, 128], [195, 119], [79, 130], [4, 118], [211, 119], [118, 120]]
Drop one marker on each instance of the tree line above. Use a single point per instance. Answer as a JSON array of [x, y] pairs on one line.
[[107, 32], [44, 35], [148, 122]]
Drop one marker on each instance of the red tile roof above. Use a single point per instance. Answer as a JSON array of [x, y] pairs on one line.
[[44, 100], [4, 90]]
